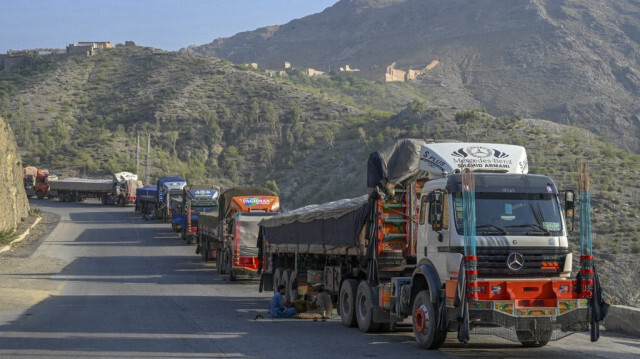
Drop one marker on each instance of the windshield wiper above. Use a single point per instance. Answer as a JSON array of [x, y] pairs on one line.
[[497, 229], [534, 225]]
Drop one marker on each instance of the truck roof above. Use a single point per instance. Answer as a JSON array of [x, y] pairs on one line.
[[443, 159], [226, 196]]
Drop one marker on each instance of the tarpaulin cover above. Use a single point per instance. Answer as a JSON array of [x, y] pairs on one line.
[[82, 184], [332, 224], [247, 232], [125, 176], [400, 161]]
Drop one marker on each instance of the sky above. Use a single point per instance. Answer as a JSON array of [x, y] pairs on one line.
[[165, 24]]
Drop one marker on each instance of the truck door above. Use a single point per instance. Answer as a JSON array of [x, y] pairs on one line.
[[434, 244]]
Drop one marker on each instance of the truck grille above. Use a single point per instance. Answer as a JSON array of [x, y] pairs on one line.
[[546, 262]]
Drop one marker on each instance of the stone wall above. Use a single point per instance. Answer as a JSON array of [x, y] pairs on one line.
[[14, 206]]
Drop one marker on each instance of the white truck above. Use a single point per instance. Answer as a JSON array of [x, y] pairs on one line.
[[407, 250]]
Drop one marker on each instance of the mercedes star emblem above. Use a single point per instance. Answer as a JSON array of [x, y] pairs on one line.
[[515, 261]]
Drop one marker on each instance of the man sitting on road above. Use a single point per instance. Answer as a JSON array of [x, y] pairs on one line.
[[278, 308]]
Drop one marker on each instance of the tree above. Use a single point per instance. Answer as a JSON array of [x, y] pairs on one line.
[[272, 185]]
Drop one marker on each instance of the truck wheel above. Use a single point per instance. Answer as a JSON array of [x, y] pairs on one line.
[[425, 323], [347, 304], [67, 197], [40, 195], [529, 341], [364, 309], [229, 267], [277, 279]]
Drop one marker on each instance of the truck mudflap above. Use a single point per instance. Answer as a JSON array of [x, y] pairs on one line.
[[524, 311]]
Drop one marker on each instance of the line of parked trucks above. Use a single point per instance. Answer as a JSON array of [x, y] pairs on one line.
[[453, 237], [118, 190]]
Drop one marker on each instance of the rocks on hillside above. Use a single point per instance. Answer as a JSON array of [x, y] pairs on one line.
[[13, 200]]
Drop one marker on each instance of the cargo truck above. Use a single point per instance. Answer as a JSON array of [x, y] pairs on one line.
[[196, 200], [230, 235], [146, 199], [78, 189], [453, 236], [166, 186], [126, 185], [36, 182]]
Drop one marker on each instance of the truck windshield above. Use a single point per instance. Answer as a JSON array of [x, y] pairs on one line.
[[513, 214]]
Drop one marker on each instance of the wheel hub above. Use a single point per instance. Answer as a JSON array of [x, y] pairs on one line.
[[421, 318]]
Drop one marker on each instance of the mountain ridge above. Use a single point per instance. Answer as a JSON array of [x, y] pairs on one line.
[[571, 62]]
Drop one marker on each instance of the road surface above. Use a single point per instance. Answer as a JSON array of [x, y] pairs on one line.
[[131, 288]]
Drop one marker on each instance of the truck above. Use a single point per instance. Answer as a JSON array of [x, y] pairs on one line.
[[165, 187], [78, 189], [126, 185], [453, 236], [36, 182], [145, 202], [230, 236], [196, 200]]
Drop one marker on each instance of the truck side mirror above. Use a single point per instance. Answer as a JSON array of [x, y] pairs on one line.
[[569, 206]]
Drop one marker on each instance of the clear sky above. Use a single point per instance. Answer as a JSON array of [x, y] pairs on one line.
[[165, 24]]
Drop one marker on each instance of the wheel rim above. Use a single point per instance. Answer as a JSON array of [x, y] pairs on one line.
[[421, 318], [362, 307], [344, 303]]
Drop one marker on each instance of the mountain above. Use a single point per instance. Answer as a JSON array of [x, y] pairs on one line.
[[572, 62]]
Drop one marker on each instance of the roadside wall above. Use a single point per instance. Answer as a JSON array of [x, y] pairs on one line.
[[14, 206], [623, 319]]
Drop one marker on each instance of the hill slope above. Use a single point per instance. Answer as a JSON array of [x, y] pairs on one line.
[[570, 61]]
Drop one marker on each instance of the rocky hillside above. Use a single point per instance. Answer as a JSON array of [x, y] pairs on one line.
[[569, 61], [13, 200]]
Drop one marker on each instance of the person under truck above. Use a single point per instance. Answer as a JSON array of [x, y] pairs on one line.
[[278, 308]]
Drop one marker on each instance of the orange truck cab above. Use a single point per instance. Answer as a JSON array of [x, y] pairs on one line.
[[239, 230]]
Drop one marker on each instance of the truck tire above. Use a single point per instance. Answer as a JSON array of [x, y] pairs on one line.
[[277, 278], [229, 266], [347, 303], [425, 323], [67, 197], [40, 195], [528, 341], [364, 309]]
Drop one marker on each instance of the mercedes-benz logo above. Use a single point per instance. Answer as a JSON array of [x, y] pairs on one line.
[[515, 261], [479, 152]]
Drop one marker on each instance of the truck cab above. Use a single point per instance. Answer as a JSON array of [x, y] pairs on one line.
[[506, 257], [244, 209], [196, 199]]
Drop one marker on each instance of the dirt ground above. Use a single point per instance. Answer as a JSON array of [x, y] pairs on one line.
[[24, 280]]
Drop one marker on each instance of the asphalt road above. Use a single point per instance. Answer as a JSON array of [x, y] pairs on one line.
[[131, 288]]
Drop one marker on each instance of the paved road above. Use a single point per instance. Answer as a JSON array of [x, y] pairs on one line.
[[131, 288]]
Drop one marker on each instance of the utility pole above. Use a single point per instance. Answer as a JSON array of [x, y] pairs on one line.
[[138, 154], [148, 151]]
